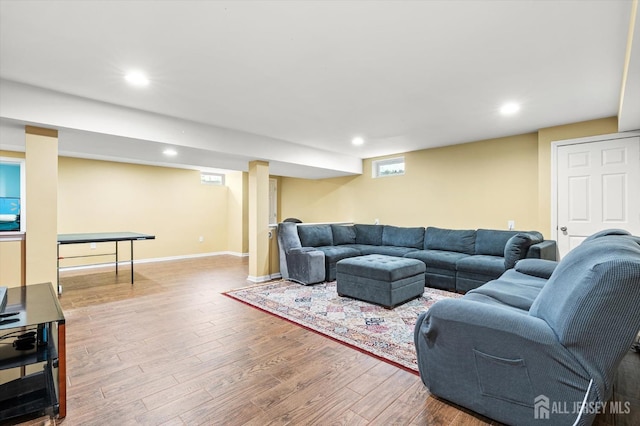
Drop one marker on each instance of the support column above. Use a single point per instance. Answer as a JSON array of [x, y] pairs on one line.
[[259, 221], [41, 176]]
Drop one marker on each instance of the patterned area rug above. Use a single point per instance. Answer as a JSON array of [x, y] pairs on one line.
[[384, 333]]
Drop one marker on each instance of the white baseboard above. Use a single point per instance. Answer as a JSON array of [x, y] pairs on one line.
[[263, 278], [155, 259]]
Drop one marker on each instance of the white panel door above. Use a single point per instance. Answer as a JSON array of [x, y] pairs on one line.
[[598, 188]]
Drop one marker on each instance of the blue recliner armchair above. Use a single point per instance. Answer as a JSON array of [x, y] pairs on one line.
[[542, 341]]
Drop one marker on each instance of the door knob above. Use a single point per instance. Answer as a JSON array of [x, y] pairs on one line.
[[563, 229]]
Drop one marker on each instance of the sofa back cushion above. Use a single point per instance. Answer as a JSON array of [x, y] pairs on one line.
[[458, 240], [403, 237], [518, 246], [343, 234], [591, 302], [369, 234], [492, 241], [315, 235]]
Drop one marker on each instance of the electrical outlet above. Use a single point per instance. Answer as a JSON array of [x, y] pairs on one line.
[[201, 238], [93, 246], [511, 225]]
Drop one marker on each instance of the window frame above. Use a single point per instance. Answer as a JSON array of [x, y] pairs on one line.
[[376, 165], [203, 181]]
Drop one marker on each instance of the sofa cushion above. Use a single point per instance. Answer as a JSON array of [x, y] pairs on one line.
[[369, 234], [492, 242], [453, 240], [333, 254], [403, 237], [438, 258], [482, 264], [512, 289], [343, 234], [315, 235], [518, 246]]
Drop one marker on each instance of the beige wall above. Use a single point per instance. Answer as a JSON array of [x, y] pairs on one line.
[[172, 204], [463, 186], [480, 184]]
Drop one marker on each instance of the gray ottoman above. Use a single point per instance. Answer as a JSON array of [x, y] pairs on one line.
[[380, 279]]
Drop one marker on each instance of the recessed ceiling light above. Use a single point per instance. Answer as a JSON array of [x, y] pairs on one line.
[[357, 141], [509, 108], [170, 152], [136, 78]]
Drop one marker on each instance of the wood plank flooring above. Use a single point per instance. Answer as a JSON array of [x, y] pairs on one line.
[[172, 350]]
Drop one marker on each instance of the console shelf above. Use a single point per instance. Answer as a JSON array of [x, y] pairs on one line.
[[34, 393], [40, 366]]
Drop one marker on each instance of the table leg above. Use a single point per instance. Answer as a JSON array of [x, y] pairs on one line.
[[58, 268], [131, 262], [116, 258]]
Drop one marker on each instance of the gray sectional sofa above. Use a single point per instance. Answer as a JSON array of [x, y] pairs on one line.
[[543, 334], [456, 260]]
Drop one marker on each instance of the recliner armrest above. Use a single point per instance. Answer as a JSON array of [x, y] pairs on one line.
[[540, 268]]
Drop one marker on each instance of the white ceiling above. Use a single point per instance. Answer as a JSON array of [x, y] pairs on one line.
[[293, 82]]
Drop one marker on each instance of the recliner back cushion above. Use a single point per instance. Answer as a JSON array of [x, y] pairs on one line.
[[591, 301], [369, 234], [315, 235], [458, 240], [492, 242], [403, 237], [343, 234], [606, 232]]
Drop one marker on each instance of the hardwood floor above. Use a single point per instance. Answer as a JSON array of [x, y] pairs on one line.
[[173, 350]]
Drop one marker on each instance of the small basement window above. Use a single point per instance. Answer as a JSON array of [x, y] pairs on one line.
[[211, 178], [388, 167]]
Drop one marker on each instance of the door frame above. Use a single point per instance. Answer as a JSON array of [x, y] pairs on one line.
[[273, 199], [554, 168]]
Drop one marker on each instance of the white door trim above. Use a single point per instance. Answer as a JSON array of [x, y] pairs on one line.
[[554, 168]]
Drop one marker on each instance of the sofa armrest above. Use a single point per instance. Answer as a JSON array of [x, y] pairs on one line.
[[546, 249], [305, 265], [540, 268], [301, 250]]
